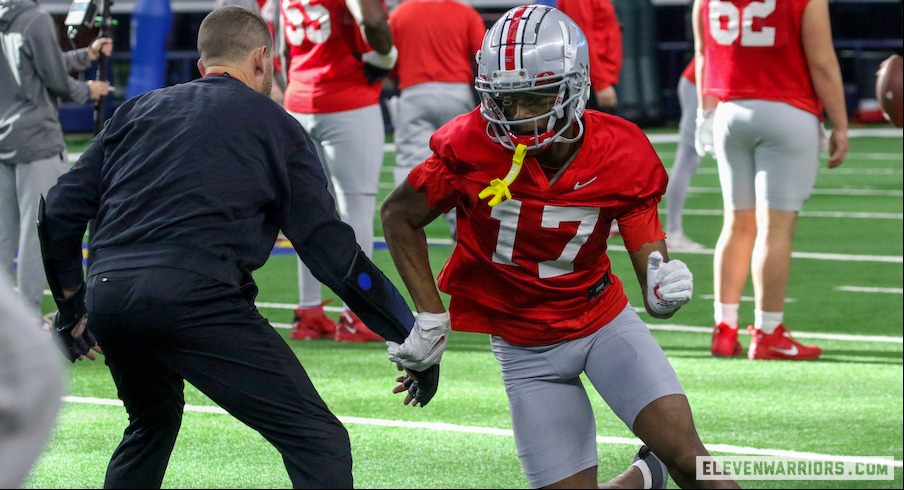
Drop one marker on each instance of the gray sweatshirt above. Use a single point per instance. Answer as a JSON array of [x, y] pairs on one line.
[[34, 78]]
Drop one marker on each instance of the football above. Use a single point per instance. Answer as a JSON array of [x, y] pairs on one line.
[[889, 80]]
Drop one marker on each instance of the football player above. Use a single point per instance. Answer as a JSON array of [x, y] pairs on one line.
[[536, 181], [762, 94], [339, 51]]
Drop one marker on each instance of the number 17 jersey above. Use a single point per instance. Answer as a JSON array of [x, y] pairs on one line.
[[534, 269]]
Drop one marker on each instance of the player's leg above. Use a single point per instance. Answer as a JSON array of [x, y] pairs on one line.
[[686, 163], [552, 419], [412, 134], [309, 320], [352, 143], [9, 219], [633, 375], [734, 144], [33, 180], [789, 158]]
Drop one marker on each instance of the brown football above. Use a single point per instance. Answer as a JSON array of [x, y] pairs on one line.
[[889, 81]]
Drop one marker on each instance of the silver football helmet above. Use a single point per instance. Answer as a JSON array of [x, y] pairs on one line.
[[533, 77]]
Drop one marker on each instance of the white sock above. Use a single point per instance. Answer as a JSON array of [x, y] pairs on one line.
[[727, 313], [767, 321], [645, 471]]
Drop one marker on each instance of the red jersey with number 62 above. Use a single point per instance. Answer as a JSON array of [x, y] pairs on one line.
[[326, 73], [753, 50], [533, 269]]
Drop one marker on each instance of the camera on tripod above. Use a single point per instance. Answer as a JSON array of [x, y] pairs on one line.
[[81, 15]]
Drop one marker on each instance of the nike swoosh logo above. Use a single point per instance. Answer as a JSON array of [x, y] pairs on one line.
[[788, 352], [580, 185]]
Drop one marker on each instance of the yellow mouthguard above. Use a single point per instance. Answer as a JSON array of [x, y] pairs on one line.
[[499, 189]]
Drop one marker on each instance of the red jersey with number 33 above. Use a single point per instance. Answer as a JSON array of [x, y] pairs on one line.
[[325, 73], [753, 50], [533, 269]]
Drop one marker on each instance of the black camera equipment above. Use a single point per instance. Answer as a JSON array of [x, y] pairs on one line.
[[85, 14]]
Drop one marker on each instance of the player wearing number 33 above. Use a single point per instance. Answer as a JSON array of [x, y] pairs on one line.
[[535, 181]]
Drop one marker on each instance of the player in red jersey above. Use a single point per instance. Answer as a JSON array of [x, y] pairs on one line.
[[339, 51], [434, 74], [598, 20], [536, 181], [768, 70]]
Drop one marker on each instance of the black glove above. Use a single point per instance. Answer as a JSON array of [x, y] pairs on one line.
[[377, 66], [375, 74], [422, 385], [70, 311]]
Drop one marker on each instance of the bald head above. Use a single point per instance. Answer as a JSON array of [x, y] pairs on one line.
[[229, 34]]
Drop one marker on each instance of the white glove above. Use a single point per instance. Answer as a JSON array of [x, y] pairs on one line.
[[377, 66], [703, 137], [425, 344], [669, 284]]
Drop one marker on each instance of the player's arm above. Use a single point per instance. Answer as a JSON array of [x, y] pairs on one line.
[[374, 22], [816, 35], [405, 213], [372, 18]]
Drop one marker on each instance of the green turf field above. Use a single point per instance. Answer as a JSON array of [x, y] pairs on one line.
[[845, 295]]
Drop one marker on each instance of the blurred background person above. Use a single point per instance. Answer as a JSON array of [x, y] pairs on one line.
[[598, 20], [34, 74], [762, 94], [339, 53], [687, 161], [31, 387], [437, 41]]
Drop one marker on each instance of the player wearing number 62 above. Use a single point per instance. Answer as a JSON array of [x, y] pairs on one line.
[[767, 74], [536, 182]]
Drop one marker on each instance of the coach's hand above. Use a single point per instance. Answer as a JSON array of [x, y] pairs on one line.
[[70, 324], [419, 386]]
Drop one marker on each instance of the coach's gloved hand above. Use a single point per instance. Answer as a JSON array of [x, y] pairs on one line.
[[425, 344], [70, 326], [669, 284], [703, 137], [419, 386], [377, 66]]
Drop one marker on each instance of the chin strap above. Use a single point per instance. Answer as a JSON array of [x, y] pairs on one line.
[[499, 189]]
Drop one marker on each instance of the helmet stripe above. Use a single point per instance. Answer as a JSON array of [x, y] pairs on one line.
[[514, 37]]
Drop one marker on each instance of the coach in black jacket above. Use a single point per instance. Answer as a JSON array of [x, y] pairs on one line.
[[187, 187]]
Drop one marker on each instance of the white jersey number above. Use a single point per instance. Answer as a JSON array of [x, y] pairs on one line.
[[317, 31], [508, 213], [739, 23]]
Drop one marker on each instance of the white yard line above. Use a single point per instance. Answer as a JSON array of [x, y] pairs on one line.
[[467, 429]]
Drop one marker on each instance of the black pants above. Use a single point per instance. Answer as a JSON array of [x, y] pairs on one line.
[[160, 326]]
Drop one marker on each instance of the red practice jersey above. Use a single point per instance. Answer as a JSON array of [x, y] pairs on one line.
[[533, 269], [690, 71], [437, 41], [598, 20], [326, 73], [753, 50]]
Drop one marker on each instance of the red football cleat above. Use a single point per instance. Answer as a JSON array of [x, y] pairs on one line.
[[779, 345], [351, 329], [312, 323], [725, 341]]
